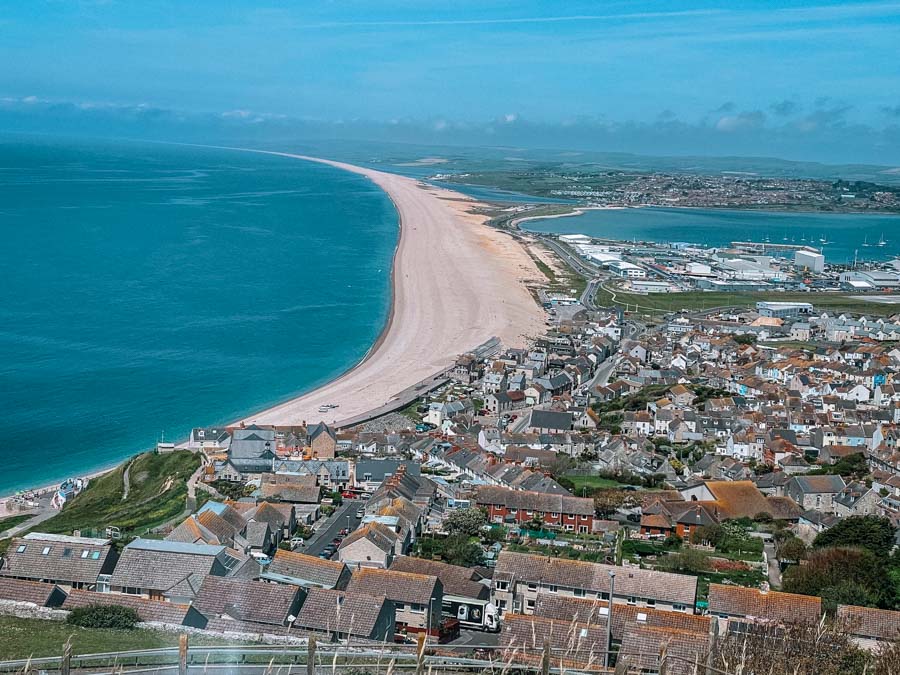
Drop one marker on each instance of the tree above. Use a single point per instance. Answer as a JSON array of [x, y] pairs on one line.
[[104, 616], [854, 465], [467, 522], [458, 549], [607, 502], [827, 571], [870, 532], [792, 549], [690, 560], [745, 339]]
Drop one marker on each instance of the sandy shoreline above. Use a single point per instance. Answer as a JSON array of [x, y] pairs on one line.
[[455, 283]]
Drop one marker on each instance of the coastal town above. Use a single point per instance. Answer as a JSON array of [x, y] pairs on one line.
[[743, 190], [644, 492]]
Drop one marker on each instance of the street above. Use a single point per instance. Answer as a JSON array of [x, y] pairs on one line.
[[343, 516]]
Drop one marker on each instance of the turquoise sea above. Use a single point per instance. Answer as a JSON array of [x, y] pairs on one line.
[[150, 288], [847, 234]]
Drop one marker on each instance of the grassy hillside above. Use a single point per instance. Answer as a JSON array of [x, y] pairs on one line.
[[157, 492]]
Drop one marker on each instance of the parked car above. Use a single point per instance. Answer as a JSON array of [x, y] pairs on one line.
[[360, 512]]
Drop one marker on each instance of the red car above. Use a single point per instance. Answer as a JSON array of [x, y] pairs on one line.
[[337, 541], [346, 494]]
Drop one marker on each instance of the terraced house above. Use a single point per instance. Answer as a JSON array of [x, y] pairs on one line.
[[565, 512], [520, 577]]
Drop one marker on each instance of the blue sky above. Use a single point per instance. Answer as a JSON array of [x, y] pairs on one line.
[[726, 76]]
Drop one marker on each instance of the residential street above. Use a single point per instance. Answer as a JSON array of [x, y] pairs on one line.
[[333, 525]]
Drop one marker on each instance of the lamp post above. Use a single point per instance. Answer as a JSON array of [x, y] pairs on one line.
[[609, 617]]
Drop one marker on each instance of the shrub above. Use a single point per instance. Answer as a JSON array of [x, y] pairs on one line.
[[104, 616]]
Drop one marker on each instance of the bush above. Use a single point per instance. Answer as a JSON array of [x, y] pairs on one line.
[[104, 616]]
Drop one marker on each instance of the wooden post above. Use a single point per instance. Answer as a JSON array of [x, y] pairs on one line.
[[545, 658], [663, 660], [311, 657], [420, 652], [65, 666], [182, 654], [713, 643]]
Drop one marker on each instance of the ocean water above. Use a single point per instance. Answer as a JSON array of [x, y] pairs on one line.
[[847, 234], [147, 289]]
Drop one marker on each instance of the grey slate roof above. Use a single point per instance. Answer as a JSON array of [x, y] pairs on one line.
[[170, 567], [345, 613], [594, 577], [551, 419], [250, 601], [58, 558]]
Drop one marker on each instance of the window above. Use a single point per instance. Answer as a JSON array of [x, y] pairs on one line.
[[603, 596], [418, 609], [632, 600], [579, 592], [46, 550], [85, 553], [67, 553], [532, 587], [679, 608], [21, 548], [584, 517], [529, 604], [552, 588], [583, 633], [651, 602], [554, 515], [95, 555], [502, 585], [400, 606]]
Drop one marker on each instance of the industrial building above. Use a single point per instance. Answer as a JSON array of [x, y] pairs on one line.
[[811, 260], [875, 278], [783, 310], [627, 269]]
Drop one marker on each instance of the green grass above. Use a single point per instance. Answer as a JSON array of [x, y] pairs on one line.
[[36, 638], [158, 493], [596, 482], [700, 300], [13, 521]]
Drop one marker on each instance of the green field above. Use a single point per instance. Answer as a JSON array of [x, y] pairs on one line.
[[595, 482], [158, 492], [700, 300], [35, 638]]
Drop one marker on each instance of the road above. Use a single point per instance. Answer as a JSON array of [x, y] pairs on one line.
[[333, 525]]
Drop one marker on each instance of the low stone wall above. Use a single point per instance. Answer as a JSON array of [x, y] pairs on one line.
[[27, 610]]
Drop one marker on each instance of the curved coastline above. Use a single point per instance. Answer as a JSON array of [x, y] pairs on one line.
[[436, 312], [488, 271]]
